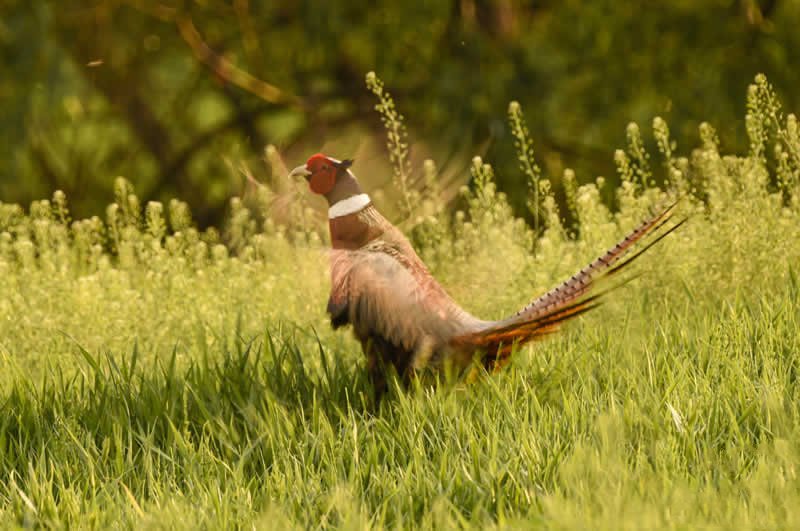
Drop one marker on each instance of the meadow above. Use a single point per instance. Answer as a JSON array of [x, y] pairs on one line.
[[157, 376]]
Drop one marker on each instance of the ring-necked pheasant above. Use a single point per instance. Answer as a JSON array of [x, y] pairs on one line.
[[403, 317]]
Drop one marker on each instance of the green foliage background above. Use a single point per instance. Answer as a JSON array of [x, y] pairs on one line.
[[94, 89]]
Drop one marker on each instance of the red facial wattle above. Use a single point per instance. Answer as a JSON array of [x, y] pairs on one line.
[[323, 174], [322, 181]]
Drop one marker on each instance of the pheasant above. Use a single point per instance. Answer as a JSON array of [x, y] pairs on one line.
[[403, 317]]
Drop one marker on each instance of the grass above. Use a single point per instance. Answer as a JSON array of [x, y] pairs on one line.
[[154, 378]]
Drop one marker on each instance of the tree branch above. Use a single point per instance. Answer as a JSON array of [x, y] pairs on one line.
[[230, 72]]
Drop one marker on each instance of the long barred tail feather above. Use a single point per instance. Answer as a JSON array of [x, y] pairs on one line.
[[644, 249], [571, 298], [579, 283]]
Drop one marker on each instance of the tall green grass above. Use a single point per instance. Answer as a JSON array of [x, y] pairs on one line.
[[157, 376]]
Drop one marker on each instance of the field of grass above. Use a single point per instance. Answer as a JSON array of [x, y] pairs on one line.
[[154, 376]]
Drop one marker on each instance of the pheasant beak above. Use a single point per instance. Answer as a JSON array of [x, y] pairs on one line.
[[300, 171]]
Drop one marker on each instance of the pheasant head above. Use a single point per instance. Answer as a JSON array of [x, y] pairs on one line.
[[329, 177]]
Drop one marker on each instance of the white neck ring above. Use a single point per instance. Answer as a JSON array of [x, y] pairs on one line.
[[351, 205]]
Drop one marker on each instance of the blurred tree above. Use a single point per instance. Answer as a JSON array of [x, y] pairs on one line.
[[173, 94]]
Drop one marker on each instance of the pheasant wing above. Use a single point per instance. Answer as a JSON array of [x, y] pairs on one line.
[[384, 295]]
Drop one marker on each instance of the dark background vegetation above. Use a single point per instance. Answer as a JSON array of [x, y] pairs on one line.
[[90, 90]]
